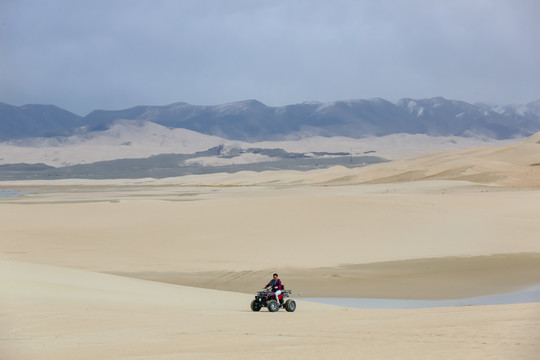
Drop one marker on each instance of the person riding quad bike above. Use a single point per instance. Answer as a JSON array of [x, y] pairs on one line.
[[272, 297], [276, 287]]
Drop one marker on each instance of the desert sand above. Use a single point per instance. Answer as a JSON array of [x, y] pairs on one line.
[[166, 269], [133, 139]]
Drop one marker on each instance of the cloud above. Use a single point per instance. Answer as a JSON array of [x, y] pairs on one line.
[[115, 54]]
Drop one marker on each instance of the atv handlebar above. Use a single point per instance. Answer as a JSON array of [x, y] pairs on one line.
[[266, 291]]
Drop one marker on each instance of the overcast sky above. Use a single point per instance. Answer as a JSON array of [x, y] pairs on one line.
[[114, 54]]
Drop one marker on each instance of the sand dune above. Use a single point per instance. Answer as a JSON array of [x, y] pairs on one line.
[[253, 228], [432, 278], [516, 164], [511, 165], [129, 139], [56, 313], [449, 225]]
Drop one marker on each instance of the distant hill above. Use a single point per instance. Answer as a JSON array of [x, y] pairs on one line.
[[25, 121], [251, 120]]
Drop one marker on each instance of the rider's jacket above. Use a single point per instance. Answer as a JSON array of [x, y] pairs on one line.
[[275, 284]]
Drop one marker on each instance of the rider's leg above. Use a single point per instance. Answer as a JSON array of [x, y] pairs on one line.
[[277, 295]]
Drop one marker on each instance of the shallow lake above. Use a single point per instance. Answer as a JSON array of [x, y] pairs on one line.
[[525, 296], [8, 193]]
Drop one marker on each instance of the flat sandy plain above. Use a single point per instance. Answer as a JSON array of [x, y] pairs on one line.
[[166, 269]]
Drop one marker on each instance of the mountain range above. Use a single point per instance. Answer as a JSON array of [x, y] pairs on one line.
[[251, 120], [47, 142]]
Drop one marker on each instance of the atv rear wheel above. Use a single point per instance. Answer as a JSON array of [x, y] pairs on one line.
[[272, 305], [290, 305], [255, 305]]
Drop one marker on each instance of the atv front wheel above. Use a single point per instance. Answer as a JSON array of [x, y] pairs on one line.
[[272, 306], [255, 305], [290, 305]]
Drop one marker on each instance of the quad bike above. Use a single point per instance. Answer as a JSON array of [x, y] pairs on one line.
[[266, 298]]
